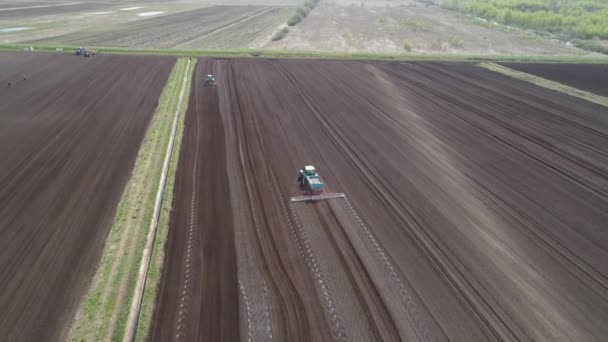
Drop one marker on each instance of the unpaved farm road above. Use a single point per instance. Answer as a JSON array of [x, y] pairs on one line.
[[475, 211], [69, 135]]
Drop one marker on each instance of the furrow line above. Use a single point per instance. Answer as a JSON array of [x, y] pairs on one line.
[[305, 250]]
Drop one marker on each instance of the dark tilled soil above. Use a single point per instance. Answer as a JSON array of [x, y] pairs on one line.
[[70, 129], [199, 293], [475, 211], [590, 77]]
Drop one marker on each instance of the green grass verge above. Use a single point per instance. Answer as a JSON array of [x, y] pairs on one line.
[[99, 316], [158, 250], [406, 57], [543, 82]]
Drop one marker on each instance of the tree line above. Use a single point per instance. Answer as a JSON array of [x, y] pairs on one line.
[[585, 19]]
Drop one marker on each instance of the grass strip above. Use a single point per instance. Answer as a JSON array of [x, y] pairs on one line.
[[250, 53], [158, 250], [103, 311], [543, 82]]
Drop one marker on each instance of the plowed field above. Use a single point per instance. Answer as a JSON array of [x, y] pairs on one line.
[[590, 77], [70, 129], [210, 27], [475, 210]]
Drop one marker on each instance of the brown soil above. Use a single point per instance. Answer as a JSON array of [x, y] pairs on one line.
[[590, 77], [70, 129], [199, 293], [475, 206]]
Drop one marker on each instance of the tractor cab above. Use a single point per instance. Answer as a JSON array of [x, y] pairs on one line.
[[309, 170]]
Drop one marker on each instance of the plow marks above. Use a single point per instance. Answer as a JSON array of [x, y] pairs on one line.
[[473, 207]]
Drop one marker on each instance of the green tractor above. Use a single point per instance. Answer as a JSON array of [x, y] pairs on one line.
[[309, 179], [209, 80]]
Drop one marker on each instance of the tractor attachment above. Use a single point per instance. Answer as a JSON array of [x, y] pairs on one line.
[[312, 198]]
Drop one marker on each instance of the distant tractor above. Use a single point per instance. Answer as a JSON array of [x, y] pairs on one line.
[[209, 80], [309, 179], [85, 52]]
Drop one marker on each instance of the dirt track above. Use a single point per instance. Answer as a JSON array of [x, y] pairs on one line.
[[475, 211], [69, 134], [590, 77]]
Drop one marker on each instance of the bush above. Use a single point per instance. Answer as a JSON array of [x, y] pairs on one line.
[[416, 25], [302, 12], [455, 42], [407, 45], [592, 45], [280, 34], [309, 4], [296, 18]]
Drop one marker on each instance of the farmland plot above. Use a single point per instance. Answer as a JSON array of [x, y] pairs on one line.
[[211, 27], [474, 211], [70, 129]]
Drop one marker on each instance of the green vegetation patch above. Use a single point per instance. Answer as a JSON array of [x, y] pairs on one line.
[[543, 82], [280, 34], [456, 42], [416, 25], [302, 12], [578, 21], [103, 312], [407, 45]]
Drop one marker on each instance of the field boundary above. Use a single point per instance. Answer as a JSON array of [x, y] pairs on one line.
[[104, 309], [545, 83], [155, 269], [260, 53], [147, 252]]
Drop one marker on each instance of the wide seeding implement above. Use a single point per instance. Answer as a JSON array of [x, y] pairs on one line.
[[309, 179]]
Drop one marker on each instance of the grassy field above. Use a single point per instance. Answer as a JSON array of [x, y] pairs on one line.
[[255, 53], [428, 29], [103, 312], [543, 82]]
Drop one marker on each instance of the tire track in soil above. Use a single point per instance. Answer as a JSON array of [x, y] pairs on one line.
[[256, 301], [190, 270], [419, 330]]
